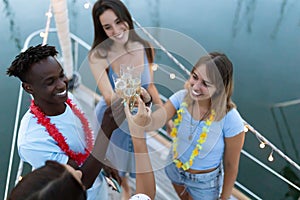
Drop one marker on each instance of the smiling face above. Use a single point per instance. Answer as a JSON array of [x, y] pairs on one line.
[[201, 87], [114, 28], [48, 84]]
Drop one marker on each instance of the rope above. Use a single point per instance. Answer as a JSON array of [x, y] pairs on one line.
[[162, 48], [274, 148]]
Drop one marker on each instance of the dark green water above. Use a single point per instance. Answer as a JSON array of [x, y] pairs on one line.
[[262, 38]]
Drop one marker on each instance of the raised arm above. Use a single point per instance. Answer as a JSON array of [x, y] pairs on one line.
[[98, 67], [160, 116], [145, 181], [113, 117]]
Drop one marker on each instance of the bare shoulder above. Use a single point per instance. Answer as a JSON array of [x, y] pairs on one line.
[[97, 58], [135, 46], [140, 48]]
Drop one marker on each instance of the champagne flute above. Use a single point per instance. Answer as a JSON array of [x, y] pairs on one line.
[[129, 96], [135, 82], [120, 85], [125, 72], [132, 75]]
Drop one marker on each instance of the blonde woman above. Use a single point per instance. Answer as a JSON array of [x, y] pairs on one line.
[[208, 132]]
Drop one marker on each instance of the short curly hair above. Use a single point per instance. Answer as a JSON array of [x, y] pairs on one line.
[[22, 63]]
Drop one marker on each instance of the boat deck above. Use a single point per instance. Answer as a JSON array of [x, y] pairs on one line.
[[164, 188]]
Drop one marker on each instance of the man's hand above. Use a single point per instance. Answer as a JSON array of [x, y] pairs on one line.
[[145, 96], [113, 117], [112, 172]]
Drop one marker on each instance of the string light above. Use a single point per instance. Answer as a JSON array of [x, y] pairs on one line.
[[172, 76], [87, 5], [271, 158], [42, 34], [48, 14], [154, 66], [246, 129], [262, 145]]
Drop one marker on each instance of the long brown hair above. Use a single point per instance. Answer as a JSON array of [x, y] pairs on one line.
[[220, 71], [102, 41]]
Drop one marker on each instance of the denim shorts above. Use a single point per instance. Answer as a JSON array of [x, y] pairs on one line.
[[199, 186]]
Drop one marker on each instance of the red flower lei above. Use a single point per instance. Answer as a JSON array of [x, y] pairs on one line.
[[42, 119]]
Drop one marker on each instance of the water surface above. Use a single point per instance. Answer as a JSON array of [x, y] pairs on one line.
[[262, 38]]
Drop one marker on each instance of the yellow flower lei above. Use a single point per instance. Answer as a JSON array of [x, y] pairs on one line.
[[202, 138]]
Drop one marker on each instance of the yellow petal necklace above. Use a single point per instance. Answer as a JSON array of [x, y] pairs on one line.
[[202, 137]]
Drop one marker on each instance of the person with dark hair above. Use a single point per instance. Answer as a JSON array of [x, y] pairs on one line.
[[57, 181], [116, 43], [51, 181], [54, 128], [208, 131]]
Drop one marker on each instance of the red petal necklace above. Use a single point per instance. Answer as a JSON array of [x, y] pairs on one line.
[[42, 119]]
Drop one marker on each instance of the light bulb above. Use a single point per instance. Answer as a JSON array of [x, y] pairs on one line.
[[86, 5], [20, 178], [42, 34], [48, 14], [271, 158], [262, 145], [172, 76], [154, 66], [246, 129]]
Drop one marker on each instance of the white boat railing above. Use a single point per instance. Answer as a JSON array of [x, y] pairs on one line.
[[76, 41], [13, 142]]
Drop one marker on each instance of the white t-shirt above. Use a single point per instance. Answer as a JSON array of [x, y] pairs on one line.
[[36, 146]]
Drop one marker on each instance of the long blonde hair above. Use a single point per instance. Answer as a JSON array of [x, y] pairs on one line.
[[220, 71]]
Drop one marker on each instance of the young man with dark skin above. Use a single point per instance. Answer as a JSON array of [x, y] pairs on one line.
[[48, 181], [54, 128]]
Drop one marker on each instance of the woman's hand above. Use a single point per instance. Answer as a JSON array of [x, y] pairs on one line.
[[146, 97], [169, 125], [138, 121]]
